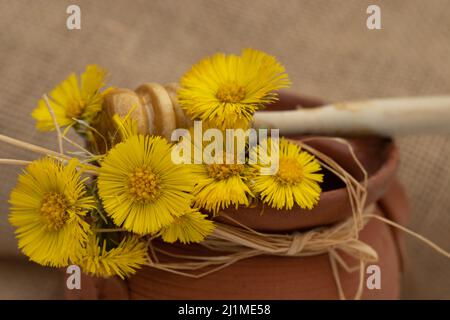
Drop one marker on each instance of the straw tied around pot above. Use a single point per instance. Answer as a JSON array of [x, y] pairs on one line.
[[181, 179]]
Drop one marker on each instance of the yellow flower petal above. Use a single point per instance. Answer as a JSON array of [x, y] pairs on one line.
[[221, 185], [192, 226], [47, 208], [119, 260]]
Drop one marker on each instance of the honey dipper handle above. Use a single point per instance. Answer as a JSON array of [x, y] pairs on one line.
[[381, 117]]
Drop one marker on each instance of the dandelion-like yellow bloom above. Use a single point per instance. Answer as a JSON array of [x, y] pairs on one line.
[[192, 226], [227, 89], [47, 208], [141, 188], [222, 185], [72, 100], [297, 179], [103, 259]]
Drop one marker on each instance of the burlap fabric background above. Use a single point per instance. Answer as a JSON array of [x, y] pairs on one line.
[[325, 46]]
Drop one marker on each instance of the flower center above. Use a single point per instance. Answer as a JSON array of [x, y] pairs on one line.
[[144, 184], [231, 92], [75, 109], [224, 171], [290, 171], [53, 209]]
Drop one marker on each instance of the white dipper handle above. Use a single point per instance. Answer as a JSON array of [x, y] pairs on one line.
[[382, 117]]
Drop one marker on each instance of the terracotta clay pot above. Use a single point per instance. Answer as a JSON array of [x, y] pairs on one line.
[[274, 277]]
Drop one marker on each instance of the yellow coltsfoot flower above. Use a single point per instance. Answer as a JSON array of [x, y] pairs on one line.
[[222, 185], [102, 259], [193, 226], [141, 188], [297, 179], [226, 90], [72, 99], [47, 208]]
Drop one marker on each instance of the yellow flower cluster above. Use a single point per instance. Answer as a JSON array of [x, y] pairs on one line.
[[140, 190], [63, 218], [135, 191], [224, 91], [220, 186]]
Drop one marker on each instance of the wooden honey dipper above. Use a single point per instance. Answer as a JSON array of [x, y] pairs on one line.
[[153, 106], [157, 112]]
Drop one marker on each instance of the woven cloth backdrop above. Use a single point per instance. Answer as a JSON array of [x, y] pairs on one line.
[[325, 46]]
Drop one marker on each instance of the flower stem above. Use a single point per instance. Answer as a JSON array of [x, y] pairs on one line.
[[15, 162]]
